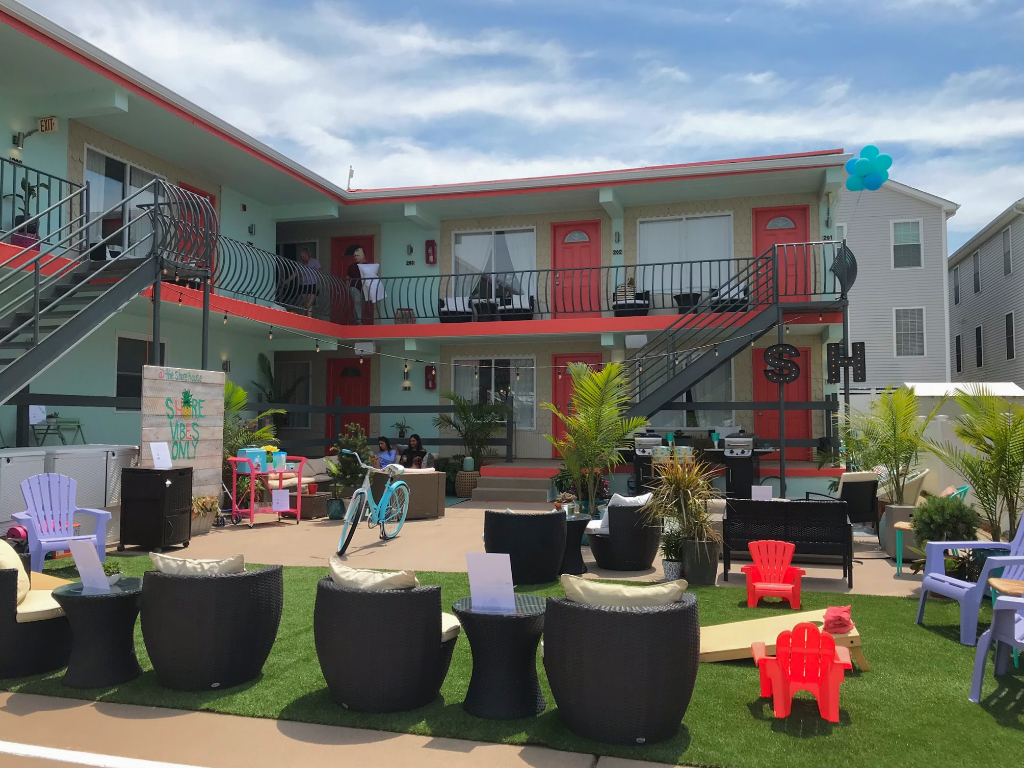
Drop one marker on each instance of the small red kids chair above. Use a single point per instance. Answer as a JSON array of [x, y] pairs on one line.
[[806, 659], [771, 575]]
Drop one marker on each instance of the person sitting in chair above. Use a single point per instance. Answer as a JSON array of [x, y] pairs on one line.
[[385, 454], [413, 452]]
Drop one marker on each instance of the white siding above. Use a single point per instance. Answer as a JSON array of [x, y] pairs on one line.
[[879, 289], [1000, 295]]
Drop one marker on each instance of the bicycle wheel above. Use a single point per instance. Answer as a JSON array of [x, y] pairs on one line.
[[395, 507], [352, 518]]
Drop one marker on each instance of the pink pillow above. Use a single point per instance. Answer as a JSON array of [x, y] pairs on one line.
[[948, 492]]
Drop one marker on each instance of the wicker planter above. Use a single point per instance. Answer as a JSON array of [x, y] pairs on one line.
[[465, 482], [201, 525]]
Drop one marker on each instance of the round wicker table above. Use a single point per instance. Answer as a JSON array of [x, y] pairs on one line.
[[572, 560], [504, 683], [102, 633]]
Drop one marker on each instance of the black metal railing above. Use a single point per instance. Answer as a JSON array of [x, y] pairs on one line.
[[248, 272], [34, 204]]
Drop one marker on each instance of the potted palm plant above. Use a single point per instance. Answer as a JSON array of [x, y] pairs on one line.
[[679, 499], [596, 427], [475, 423]]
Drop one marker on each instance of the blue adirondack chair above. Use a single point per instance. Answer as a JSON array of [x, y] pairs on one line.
[[1007, 631], [968, 594], [50, 514]]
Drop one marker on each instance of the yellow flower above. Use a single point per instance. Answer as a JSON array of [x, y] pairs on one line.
[[269, 448]]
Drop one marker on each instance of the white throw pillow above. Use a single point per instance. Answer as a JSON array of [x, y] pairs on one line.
[[370, 581], [9, 560], [179, 566], [592, 592], [368, 271], [629, 501]]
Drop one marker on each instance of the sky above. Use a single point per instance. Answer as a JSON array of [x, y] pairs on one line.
[[463, 90]]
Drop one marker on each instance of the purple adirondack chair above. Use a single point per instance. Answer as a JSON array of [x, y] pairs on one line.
[[50, 514], [968, 594], [1008, 631]]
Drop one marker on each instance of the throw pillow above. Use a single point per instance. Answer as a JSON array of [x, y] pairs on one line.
[[179, 566], [948, 492], [635, 502], [370, 581], [9, 560], [591, 592]]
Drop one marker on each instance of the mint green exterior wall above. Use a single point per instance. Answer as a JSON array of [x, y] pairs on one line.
[[47, 152], [234, 222], [390, 378], [395, 237], [90, 368]]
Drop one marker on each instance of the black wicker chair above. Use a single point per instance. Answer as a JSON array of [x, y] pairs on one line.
[[534, 541], [402, 626], [206, 632], [860, 492], [33, 647], [621, 689], [631, 543]]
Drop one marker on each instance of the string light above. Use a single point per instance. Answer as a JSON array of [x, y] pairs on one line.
[[270, 334], [820, 317], [787, 329], [360, 359], [318, 345], [180, 296], [225, 319], [560, 371], [476, 374], [716, 349]]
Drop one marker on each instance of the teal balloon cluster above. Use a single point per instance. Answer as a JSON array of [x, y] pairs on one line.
[[869, 171]]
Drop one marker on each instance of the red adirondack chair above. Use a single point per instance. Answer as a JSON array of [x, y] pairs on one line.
[[771, 575], [806, 659]]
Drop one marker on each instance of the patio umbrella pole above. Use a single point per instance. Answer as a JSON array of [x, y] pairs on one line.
[[782, 411]]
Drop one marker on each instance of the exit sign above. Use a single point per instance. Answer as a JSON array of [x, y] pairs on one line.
[[47, 124]]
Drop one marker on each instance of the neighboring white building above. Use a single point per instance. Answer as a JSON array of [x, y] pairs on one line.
[[898, 305], [986, 301]]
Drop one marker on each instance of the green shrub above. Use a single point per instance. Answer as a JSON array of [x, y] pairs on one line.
[[945, 519], [451, 467]]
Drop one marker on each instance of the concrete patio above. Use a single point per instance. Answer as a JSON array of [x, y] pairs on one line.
[[442, 544]]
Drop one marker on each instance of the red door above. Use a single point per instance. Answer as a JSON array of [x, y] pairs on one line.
[[341, 307], [349, 379], [789, 228], [576, 259], [562, 390], [798, 423]]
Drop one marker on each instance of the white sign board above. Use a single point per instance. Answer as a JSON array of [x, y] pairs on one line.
[[184, 408], [161, 453], [490, 582], [761, 492], [87, 561], [280, 500]]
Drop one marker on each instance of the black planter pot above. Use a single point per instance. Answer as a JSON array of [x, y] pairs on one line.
[[700, 561]]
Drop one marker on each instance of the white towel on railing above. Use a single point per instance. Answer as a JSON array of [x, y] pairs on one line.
[[373, 287]]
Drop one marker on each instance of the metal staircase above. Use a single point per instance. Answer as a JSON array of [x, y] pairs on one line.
[[57, 291], [729, 319]]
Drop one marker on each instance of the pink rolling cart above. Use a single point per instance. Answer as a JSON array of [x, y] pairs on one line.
[[237, 514]]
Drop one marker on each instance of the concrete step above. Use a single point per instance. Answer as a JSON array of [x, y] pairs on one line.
[[510, 495], [523, 483]]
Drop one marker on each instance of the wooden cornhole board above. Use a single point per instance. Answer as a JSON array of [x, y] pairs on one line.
[[46, 581], [727, 642]]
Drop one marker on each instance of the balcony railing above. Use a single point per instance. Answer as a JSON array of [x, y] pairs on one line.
[[35, 205], [809, 273]]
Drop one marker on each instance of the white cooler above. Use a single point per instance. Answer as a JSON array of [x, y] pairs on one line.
[[16, 465], [96, 470]]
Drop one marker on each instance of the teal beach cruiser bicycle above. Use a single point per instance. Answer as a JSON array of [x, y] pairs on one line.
[[389, 513]]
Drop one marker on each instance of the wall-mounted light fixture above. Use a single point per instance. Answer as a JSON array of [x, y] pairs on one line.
[[408, 250], [225, 366], [406, 384], [618, 236]]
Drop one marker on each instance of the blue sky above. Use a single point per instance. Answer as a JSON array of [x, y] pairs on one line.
[[460, 90]]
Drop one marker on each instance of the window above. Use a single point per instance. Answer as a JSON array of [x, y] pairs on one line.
[[715, 387], [976, 263], [959, 347], [977, 347], [909, 328], [1010, 351], [111, 180], [577, 236], [906, 244], [1007, 255], [841, 232], [697, 250], [294, 382], [781, 222], [956, 285], [495, 381], [132, 354], [493, 265]]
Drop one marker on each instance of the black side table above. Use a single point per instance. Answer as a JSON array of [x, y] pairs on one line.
[[102, 633], [572, 560], [504, 684]]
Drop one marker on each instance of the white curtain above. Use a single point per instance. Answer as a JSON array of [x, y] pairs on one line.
[[474, 255], [661, 241], [709, 238], [525, 392], [679, 242], [463, 381], [517, 252]]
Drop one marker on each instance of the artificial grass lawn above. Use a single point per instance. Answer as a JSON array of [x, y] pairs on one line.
[[911, 707]]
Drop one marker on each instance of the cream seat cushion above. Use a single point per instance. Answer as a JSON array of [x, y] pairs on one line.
[[450, 627], [9, 560], [38, 605], [368, 580], [592, 592], [179, 566]]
